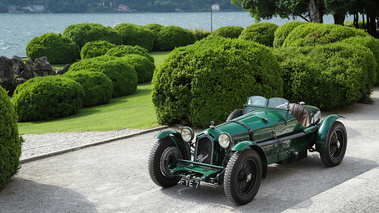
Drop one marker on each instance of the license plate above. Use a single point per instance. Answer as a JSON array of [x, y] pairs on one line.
[[190, 183]]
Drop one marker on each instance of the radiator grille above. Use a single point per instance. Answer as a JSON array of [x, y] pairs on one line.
[[204, 151]]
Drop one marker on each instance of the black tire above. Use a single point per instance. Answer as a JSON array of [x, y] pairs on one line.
[[163, 156], [243, 176], [335, 145], [235, 114]]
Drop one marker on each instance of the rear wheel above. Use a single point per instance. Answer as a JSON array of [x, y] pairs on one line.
[[243, 176], [335, 146], [163, 157]]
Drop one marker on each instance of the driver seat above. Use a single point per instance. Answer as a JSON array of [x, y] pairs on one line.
[[301, 113]]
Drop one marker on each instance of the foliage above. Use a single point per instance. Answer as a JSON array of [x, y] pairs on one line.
[[58, 49], [136, 35], [124, 50], [98, 88], [10, 144], [209, 79], [95, 48], [143, 66], [155, 28], [314, 34], [351, 24], [283, 31], [3, 9], [122, 74], [200, 33], [86, 32], [49, 97], [228, 31], [369, 42], [172, 36], [262, 33], [328, 76]]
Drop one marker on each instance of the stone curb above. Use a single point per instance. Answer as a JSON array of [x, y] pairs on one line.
[[50, 154]]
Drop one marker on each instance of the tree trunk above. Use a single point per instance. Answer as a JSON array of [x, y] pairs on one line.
[[315, 11], [339, 19]]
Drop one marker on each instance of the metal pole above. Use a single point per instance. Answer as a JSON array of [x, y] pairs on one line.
[[211, 18]]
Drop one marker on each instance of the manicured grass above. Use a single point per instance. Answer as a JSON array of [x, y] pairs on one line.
[[134, 111]]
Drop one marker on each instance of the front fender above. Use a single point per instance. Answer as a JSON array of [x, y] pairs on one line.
[[254, 146], [176, 137], [322, 132]]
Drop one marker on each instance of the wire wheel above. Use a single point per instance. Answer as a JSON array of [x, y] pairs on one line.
[[335, 145]]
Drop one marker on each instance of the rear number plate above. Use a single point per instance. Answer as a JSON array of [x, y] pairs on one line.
[[190, 183]]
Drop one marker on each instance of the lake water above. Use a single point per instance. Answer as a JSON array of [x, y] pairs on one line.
[[16, 30]]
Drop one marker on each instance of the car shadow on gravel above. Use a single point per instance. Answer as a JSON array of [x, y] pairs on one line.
[[285, 185], [21, 195]]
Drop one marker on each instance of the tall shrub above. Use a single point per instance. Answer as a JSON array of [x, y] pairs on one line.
[[122, 74], [10, 144], [58, 49], [206, 81], [262, 33], [134, 35], [49, 97]]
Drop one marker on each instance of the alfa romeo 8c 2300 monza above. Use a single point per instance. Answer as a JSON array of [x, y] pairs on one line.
[[236, 153]]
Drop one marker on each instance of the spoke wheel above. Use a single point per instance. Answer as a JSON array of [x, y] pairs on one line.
[[335, 146], [243, 176]]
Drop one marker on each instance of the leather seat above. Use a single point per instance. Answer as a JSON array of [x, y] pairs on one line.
[[301, 113]]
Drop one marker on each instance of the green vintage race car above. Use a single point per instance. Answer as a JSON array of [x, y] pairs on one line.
[[237, 152]]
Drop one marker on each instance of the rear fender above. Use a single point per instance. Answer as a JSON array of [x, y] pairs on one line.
[[251, 145], [172, 135], [322, 132]]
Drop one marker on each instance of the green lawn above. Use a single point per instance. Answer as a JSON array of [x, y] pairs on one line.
[[134, 111]]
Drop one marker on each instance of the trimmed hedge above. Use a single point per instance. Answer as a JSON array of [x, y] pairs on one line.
[[58, 49], [98, 88], [312, 34], [143, 66], [155, 28], [262, 33], [10, 143], [122, 74], [124, 50], [136, 35], [172, 36], [48, 97], [206, 81], [328, 76], [86, 32], [283, 31], [369, 42], [95, 48], [228, 31]]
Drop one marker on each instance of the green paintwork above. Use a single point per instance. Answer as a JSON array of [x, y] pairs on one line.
[[323, 131], [277, 137]]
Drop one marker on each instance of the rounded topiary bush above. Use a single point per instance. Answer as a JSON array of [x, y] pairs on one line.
[[58, 49], [283, 31], [369, 42], [98, 88], [134, 35], [49, 97], [312, 34], [122, 74], [206, 81], [86, 32], [328, 76], [95, 48], [10, 144], [155, 28], [173, 36], [143, 66], [228, 31], [124, 50], [262, 33]]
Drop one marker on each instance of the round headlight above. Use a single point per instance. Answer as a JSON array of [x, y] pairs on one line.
[[187, 134], [224, 140]]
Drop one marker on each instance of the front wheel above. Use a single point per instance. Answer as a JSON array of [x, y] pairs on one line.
[[335, 145], [163, 157], [243, 176]]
